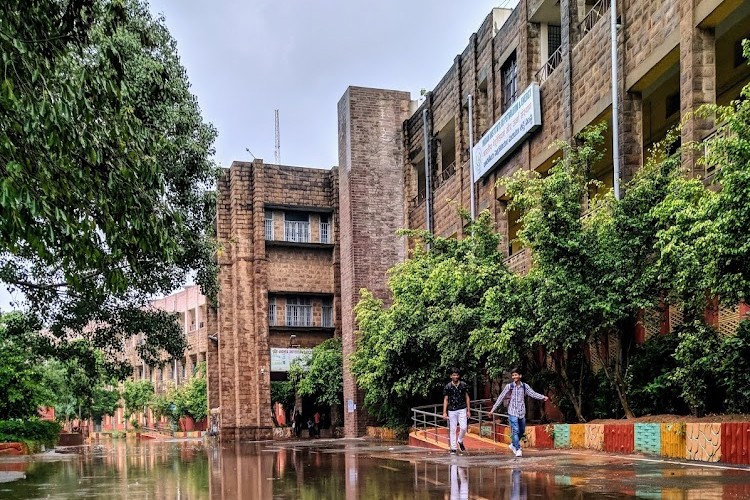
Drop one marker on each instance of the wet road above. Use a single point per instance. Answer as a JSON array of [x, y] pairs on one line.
[[354, 469]]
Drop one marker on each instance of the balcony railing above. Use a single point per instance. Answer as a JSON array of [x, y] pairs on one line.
[[417, 200], [269, 229], [298, 315], [597, 12], [520, 262], [446, 174], [325, 232], [297, 231], [548, 67], [327, 316]]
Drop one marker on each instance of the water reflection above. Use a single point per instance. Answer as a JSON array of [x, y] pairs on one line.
[[349, 470]]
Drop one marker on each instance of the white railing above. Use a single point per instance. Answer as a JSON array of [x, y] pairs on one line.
[[297, 231], [327, 316], [325, 232], [548, 67], [428, 420], [596, 13], [269, 229], [710, 167], [272, 314], [298, 315]]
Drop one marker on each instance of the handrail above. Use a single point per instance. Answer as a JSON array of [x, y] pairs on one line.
[[432, 416], [593, 15], [548, 67]]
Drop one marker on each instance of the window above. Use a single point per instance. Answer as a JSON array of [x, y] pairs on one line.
[[509, 75], [269, 225], [183, 368], [298, 311], [327, 313], [272, 312], [554, 38], [325, 229], [297, 227]]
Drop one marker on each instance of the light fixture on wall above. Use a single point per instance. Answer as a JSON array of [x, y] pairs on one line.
[[292, 338]]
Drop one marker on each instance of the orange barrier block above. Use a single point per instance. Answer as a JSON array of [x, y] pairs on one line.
[[673, 440], [542, 437], [619, 438], [578, 436], [703, 442], [594, 437]]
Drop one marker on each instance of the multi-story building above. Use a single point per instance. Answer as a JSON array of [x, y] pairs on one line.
[[538, 73], [192, 314]]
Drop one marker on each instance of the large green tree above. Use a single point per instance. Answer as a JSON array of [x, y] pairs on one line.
[[105, 195]]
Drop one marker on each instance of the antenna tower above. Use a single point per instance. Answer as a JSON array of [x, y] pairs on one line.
[[277, 145]]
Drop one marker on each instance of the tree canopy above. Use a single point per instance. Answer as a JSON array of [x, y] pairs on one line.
[[106, 192]]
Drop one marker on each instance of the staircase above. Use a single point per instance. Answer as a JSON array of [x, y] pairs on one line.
[[485, 432]]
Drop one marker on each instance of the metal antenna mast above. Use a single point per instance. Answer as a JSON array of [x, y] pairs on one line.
[[277, 150]]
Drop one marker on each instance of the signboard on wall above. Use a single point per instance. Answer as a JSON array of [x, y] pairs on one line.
[[522, 118], [281, 358]]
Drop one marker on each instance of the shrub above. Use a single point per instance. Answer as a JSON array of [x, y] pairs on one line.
[[31, 430], [733, 370]]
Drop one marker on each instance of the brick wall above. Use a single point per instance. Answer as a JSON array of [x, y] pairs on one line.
[[371, 203], [304, 270]]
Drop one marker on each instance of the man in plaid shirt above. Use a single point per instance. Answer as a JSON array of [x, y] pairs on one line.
[[517, 407]]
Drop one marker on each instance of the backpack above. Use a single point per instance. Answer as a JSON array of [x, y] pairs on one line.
[[506, 400]]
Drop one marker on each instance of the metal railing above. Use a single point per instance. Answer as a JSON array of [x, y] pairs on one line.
[[446, 174], [417, 200], [429, 420], [325, 232], [272, 314], [327, 316], [297, 231], [298, 315], [269, 228], [596, 13], [553, 62], [520, 262]]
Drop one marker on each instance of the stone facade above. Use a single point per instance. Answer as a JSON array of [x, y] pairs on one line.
[[406, 164], [278, 269]]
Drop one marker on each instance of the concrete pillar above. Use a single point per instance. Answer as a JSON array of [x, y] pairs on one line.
[[697, 81], [371, 201]]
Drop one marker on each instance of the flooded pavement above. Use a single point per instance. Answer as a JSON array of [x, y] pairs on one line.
[[354, 469]]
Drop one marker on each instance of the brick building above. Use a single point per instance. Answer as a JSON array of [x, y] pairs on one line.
[[193, 312], [537, 73]]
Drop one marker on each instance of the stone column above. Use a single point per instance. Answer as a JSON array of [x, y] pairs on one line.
[[697, 81], [371, 202]]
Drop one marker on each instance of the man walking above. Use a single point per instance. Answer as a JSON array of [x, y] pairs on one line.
[[517, 407], [456, 404]]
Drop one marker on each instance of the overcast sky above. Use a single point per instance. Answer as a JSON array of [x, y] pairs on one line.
[[247, 58]]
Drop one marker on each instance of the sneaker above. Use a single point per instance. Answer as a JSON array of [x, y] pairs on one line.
[[453, 452], [513, 449], [519, 453], [461, 447]]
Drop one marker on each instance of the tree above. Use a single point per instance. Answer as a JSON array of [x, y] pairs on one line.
[[106, 167], [404, 351], [136, 396], [21, 382], [324, 377]]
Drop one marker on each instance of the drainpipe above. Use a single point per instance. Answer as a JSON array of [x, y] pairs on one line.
[[471, 161], [427, 174], [615, 98]]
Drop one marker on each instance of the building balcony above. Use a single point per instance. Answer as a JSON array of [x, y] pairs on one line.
[[552, 63], [520, 262], [598, 11], [446, 174], [297, 232]]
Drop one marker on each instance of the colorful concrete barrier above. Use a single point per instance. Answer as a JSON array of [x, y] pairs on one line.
[[647, 438], [618, 438], [542, 437], [595, 437], [673, 440], [562, 436], [735, 442], [703, 442], [578, 436]]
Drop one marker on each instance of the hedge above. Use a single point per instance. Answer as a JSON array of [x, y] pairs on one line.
[[32, 430]]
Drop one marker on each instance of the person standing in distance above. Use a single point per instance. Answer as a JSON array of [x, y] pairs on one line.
[[456, 408], [516, 407]]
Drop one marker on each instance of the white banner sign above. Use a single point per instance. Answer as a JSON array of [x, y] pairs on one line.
[[281, 358], [522, 118]]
